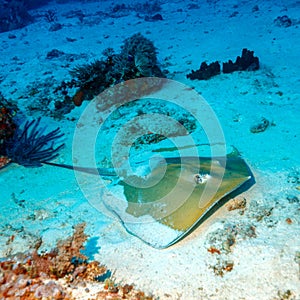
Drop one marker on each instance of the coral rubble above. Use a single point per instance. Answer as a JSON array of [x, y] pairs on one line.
[[59, 273]]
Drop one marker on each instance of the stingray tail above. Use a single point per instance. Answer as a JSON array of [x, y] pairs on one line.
[[93, 171]]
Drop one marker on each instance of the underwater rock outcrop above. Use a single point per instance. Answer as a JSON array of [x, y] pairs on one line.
[[206, 71], [261, 126], [283, 21], [246, 62]]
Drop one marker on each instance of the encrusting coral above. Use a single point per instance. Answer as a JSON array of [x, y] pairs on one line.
[[56, 274]]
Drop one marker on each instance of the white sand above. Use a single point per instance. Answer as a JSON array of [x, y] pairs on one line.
[[264, 266]]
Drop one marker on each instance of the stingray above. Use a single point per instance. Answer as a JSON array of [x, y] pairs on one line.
[[190, 191], [161, 208], [202, 185]]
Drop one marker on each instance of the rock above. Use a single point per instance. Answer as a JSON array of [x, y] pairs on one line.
[[55, 27], [260, 127], [246, 62], [54, 53], [71, 39], [157, 17], [283, 21], [206, 71]]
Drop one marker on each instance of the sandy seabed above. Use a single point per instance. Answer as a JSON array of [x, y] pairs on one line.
[[259, 244]]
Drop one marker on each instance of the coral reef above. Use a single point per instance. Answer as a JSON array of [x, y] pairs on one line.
[[92, 79], [30, 147], [139, 55], [55, 275], [136, 59]]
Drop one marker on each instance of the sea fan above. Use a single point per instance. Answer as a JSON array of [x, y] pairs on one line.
[[30, 147]]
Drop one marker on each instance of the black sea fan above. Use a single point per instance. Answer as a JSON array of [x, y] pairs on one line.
[[30, 147]]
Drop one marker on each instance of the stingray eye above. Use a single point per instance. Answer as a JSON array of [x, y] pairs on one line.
[[201, 178], [197, 178]]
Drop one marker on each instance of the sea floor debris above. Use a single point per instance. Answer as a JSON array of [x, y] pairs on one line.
[[63, 273]]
